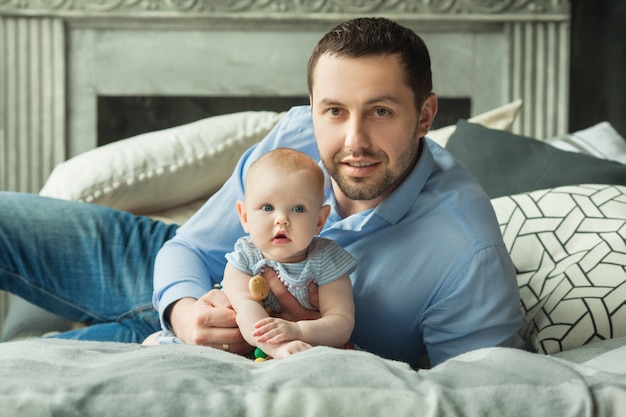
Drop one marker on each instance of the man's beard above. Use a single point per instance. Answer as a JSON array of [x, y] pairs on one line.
[[356, 188]]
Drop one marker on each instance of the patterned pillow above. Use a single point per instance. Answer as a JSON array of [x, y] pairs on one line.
[[568, 245]]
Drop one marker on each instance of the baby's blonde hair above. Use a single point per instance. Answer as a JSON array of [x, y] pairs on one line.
[[288, 160]]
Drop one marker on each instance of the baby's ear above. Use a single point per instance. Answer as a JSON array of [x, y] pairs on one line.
[[243, 215], [321, 219]]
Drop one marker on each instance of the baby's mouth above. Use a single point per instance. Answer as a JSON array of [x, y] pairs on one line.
[[280, 236]]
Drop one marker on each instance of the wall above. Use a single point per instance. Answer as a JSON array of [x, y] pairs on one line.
[[114, 62]]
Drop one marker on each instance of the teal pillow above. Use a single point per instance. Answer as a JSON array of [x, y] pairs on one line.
[[505, 163]]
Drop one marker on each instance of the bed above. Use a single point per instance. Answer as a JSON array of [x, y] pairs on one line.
[[563, 217], [49, 377]]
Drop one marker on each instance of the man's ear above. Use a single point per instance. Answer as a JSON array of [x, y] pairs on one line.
[[427, 115], [243, 216], [321, 219]]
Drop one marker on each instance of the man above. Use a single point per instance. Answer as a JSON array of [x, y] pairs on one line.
[[434, 277]]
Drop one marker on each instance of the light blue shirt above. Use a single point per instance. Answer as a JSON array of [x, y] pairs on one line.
[[433, 278]]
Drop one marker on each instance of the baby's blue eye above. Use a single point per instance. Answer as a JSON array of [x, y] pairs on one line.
[[267, 207], [298, 209]]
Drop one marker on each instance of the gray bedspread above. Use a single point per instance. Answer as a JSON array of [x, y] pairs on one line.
[[40, 377]]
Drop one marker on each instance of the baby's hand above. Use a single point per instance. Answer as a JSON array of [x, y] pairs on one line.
[[290, 348], [274, 330]]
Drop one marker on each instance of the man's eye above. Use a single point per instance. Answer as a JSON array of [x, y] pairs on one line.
[[267, 207], [298, 209]]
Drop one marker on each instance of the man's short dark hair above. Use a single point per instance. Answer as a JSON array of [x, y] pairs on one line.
[[370, 36]]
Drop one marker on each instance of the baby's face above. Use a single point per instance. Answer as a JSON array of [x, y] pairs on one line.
[[283, 211]]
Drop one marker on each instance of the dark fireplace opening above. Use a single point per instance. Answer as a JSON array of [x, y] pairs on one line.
[[121, 117]]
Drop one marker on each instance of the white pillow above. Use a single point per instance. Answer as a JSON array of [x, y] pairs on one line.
[[568, 245], [168, 174], [500, 118], [600, 140], [163, 169]]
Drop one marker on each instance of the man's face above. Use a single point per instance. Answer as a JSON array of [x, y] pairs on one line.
[[367, 126]]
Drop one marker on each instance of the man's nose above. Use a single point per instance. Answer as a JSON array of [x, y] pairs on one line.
[[356, 135]]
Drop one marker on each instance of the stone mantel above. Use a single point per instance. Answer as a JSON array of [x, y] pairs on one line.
[[58, 56], [296, 11]]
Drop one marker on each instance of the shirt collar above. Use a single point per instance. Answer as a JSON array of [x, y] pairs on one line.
[[394, 207]]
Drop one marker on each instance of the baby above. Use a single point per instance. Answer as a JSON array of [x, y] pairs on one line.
[[282, 212]]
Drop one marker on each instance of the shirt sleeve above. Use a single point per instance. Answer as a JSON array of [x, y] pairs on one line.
[[474, 310], [335, 261], [242, 257], [193, 261]]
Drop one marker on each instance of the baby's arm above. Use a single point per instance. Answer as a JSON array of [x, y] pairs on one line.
[[333, 328], [250, 311]]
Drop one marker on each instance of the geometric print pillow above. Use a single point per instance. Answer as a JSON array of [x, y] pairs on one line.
[[568, 245]]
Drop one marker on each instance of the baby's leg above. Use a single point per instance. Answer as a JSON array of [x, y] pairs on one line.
[[151, 340], [289, 348], [162, 337]]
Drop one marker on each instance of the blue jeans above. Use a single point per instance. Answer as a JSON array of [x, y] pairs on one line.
[[83, 262]]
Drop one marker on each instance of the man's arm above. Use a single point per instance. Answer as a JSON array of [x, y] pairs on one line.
[[208, 321]]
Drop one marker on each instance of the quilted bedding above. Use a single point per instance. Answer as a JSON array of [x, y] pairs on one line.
[[43, 377]]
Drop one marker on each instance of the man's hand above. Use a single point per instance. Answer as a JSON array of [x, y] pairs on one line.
[[208, 321], [290, 307]]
